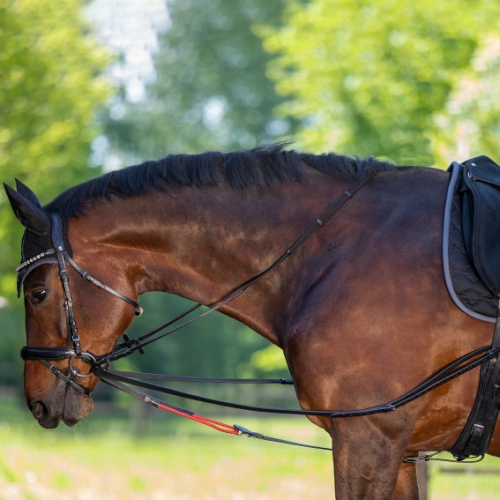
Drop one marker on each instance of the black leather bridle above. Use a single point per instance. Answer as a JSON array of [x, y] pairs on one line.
[[73, 350]]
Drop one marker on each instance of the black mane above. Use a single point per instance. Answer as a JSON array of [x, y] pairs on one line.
[[262, 166]]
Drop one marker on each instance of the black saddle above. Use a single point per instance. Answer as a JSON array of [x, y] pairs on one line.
[[481, 219], [471, 239]]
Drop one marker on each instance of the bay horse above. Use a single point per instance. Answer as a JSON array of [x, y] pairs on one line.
[[360, 310]]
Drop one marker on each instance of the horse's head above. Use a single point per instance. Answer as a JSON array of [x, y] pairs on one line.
[[69, 322]]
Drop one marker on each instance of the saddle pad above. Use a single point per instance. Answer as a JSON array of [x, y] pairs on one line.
[[462, 281]]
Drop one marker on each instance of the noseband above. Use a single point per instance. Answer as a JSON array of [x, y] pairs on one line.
[[73, 350]]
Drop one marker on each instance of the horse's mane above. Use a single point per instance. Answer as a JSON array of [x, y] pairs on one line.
[[263, 166]]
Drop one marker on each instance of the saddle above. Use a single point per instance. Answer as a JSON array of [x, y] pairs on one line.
[[481, 219], [471, 237], [471, 256]]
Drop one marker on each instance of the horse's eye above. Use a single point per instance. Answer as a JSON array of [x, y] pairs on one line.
[[38, 296]]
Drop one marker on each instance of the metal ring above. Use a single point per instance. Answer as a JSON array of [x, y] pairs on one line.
[[83, 356]]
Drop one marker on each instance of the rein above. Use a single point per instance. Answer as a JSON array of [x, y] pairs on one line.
[[122, 379], [100, 365]]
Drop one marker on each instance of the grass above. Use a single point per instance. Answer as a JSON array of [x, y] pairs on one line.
[[113, 465], [177, 459], [479, 481]]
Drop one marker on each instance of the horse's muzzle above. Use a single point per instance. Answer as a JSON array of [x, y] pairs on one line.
[[70, 409]]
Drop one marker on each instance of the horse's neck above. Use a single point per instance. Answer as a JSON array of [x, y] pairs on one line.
[[203, 243]]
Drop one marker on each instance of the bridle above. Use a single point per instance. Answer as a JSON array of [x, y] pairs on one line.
[[99, 365], [73, 350]]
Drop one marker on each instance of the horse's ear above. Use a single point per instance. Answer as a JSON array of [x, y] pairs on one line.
[[31, 216], [25, 191]]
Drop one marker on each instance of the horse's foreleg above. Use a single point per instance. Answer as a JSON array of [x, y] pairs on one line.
[[367, 463], [406, 485]]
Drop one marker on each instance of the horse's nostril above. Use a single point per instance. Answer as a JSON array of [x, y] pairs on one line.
[[44, 414], [38, 409]]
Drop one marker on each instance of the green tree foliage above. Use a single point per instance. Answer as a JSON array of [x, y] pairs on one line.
[[49, 96], [214, 346], [470, 123], [367, 78], [211, 90]]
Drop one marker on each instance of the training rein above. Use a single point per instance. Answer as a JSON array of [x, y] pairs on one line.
[[100, 366]]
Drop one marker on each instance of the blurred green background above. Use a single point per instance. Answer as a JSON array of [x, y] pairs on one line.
[[90, 86]]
